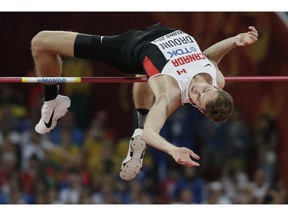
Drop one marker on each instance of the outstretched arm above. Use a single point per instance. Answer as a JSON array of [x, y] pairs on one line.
[[217, 51], [167, 100], [154, 122]]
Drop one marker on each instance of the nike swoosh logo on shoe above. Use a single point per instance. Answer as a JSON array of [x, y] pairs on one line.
[[48, 125], [207, 65]]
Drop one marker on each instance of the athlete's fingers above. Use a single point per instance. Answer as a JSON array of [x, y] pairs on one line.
[[255, 34], [189, 163], [252, 28], [194, 163], [193, 155]]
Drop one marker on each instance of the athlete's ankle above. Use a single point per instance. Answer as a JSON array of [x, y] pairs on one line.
[[50, 92], [141, 117]]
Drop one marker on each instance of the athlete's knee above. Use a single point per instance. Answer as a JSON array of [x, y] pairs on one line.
[[40, 43]]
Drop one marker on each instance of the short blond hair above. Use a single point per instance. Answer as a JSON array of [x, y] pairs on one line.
[[220, 109]]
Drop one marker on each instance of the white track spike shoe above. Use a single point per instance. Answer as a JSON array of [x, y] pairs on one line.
[[132, 164], [51, 112]]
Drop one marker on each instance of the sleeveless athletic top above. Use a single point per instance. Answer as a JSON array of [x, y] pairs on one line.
[[184, 60]]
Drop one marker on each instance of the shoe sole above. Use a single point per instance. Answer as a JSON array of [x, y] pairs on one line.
[[131, 168]]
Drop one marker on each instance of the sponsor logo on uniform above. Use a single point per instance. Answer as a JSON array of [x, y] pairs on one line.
[[184, 51]]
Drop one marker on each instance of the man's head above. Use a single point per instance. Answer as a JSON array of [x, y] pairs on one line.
[[214, 102]]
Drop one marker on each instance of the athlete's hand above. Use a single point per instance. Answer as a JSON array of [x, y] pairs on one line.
[[184, 157], [250, 37]]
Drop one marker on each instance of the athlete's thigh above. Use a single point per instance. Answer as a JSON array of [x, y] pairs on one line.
[[60, 42]]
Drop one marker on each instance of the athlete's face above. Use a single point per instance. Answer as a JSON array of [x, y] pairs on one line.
[[201, 93]]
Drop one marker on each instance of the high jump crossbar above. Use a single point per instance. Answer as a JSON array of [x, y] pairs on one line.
[[127, 79]]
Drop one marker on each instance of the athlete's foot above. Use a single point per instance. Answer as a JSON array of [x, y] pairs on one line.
[[51, 112], [132, 164]]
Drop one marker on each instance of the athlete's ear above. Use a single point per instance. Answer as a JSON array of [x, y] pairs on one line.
[[194, 105]]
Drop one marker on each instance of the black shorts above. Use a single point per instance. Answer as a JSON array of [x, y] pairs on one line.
[[125, 52]]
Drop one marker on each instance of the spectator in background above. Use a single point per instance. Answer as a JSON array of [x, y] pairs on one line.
[[68, 124], [79, 94], [99, 145], [239, 141], [190, 181], [245, 195], [213, 142], [259, 185], [71, 194], [185, 196], [67, 154], [33, 145], [215, 194], [234, 180], [266, 143], [277, 194]]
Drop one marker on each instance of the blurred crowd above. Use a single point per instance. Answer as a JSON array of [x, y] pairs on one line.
[[80, 165]]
